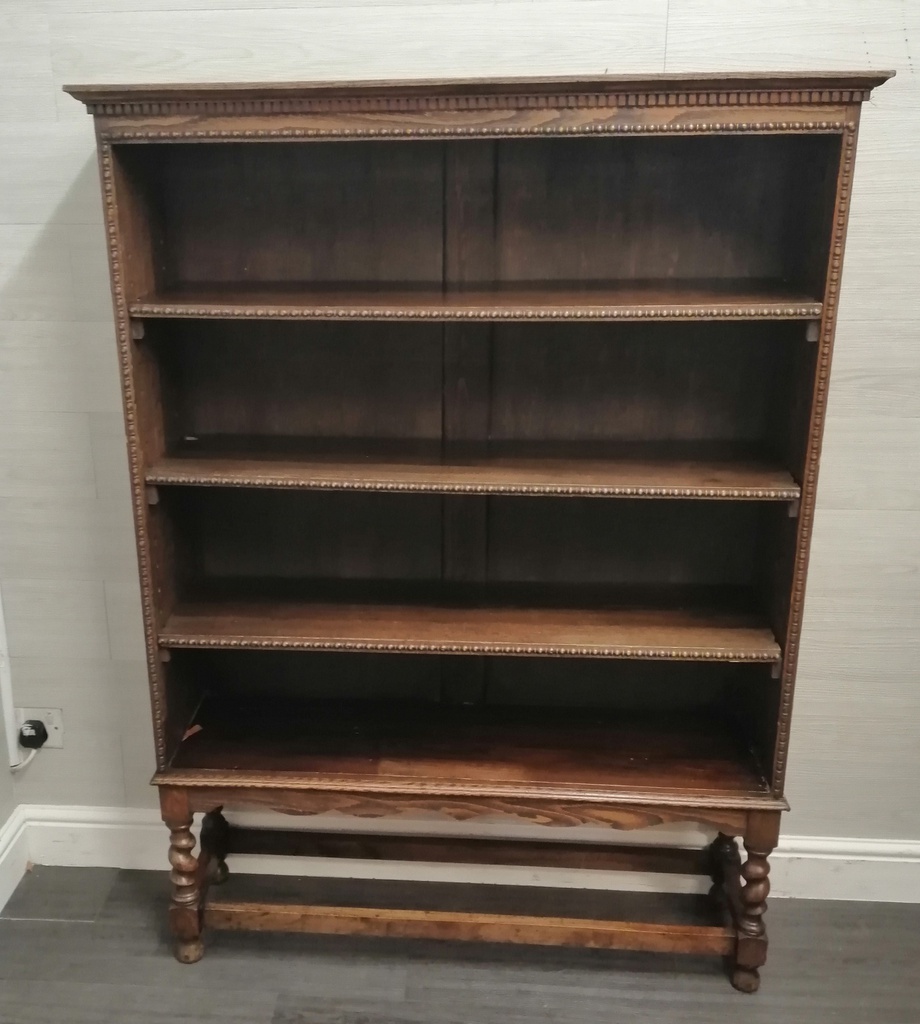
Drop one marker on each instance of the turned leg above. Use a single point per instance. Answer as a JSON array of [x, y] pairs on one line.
[[215, 841], [185, 901], [723, 854], [751, 952]]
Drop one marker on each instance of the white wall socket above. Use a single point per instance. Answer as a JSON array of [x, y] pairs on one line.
[[53, 719]]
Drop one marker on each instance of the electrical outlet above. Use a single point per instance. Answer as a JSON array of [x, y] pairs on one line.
[[53, 719]]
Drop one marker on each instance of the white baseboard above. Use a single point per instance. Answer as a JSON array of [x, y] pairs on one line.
[[803, 867], [872, 870], [14, 854]]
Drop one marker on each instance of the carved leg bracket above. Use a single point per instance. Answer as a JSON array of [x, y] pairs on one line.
[[215, 843], [741, 889], [724, 860]]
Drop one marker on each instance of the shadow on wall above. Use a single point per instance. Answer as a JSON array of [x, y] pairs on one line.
[[59, 378], [62, 277], [68, 568]]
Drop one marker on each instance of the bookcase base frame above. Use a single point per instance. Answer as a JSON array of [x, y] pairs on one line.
[[739, 888]]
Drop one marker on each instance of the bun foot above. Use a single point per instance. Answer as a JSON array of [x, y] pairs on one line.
[[189, 952], [218, 872], [746, 979]]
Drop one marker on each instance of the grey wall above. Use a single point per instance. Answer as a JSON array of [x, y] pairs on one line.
[[7, 795], [66, 552]]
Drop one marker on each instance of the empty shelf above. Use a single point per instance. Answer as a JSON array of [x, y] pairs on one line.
[[485, 469], [464, 627], [633, 300], [391, 745]]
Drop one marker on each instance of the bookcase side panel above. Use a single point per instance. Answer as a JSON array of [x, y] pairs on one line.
[[131, 264], [791, 633]]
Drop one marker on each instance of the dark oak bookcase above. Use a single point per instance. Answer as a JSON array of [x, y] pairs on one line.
[[474, 431]]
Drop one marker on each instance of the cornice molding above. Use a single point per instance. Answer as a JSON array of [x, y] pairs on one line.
[[477, 95], [444, 104], [336, 130]]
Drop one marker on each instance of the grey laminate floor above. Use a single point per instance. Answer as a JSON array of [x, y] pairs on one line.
[[86, 945]]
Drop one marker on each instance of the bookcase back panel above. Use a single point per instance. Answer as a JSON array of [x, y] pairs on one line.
[[526, 681], [277, 536], [301, 706], [269, 386], [264, 382], [282, 539], [296, 212], [645, 209], [626, 543], [640, 382], [286, 676], [582, 211]]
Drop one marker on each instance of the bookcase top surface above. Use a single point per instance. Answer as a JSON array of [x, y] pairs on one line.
[[807, 87]]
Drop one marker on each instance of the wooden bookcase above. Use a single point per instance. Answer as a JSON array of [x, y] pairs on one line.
[[474, 433]]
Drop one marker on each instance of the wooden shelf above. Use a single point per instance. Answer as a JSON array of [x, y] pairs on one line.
[[439, 910], [406, 747], [633, 300], [456, 620], [683, 471]]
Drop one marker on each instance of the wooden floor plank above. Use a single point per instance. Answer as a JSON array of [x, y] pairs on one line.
[[829, 961]]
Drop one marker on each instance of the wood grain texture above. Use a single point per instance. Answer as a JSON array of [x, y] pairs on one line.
[[573, 632], [471, 927], [658, 120], [465, 802], [488, 474], [447, 850], [837, 224], [709, 301], [411, 748]]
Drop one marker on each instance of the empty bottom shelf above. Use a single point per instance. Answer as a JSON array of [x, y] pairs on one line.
[[491, 913], [363, 744]]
